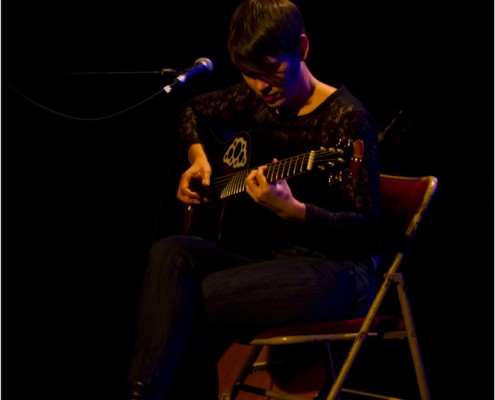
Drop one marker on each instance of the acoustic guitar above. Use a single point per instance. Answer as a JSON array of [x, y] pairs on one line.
[[342, 160]]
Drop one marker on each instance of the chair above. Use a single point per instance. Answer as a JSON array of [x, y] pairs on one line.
[[404, 201]]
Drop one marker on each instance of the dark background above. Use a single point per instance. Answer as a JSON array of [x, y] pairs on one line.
[[88, 170]]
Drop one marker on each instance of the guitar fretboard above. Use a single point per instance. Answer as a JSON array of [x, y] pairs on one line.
[[232, 184]]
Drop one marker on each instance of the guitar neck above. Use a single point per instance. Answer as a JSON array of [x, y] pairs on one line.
[[232, 184]]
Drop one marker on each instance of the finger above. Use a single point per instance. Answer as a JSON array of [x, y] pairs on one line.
[[260, 176], [187, 194]]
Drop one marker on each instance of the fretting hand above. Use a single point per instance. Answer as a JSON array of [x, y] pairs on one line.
[[276, 196]]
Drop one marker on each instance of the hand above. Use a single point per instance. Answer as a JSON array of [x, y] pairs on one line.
[[276, 196], [196, 176]]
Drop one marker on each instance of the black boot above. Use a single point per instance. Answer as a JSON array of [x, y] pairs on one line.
[[137, 390]]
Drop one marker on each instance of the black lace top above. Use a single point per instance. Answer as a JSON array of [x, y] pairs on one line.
[[240, 132]]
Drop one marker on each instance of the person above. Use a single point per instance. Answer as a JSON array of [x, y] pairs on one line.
[[289, 244]]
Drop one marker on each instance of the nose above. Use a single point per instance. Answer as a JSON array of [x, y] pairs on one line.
[[261, 85]]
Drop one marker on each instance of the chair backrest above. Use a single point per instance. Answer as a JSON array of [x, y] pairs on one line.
[[404, 201]]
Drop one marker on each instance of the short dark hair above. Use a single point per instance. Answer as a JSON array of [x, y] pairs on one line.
[[263, 28]]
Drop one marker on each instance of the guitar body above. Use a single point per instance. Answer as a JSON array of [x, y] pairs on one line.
[[229, 154]]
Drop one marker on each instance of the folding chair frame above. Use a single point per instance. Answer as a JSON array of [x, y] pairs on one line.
[[357, 330]]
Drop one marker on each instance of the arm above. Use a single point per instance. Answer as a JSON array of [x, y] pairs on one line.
[[201, 110]]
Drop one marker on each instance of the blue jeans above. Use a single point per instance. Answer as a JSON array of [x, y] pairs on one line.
[[197, 298]]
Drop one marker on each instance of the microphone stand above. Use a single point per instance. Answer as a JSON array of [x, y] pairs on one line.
[[162, 72], [167, 89]]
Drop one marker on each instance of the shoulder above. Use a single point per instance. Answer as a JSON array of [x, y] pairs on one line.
[[238, 93], [342, 108]]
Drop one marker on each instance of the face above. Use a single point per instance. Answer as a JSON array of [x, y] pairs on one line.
[[277, 87]]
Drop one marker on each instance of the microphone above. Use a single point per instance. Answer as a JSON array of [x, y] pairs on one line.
[[201, 65]]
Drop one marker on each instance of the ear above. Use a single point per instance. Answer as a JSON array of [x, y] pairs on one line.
[[303, 47]]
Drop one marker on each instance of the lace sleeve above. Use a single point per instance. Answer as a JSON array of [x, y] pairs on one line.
[[218, 107]]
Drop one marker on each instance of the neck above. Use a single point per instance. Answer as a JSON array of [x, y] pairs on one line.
[[304, 93], [309, 95]]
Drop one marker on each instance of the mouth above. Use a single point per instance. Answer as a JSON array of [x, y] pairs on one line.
[[270, 98]]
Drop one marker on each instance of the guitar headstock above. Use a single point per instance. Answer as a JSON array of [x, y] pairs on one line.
[[345, 155], [357, 155]]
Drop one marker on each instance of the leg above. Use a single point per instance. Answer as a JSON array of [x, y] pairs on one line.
[[283, 291], [171, 308]]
